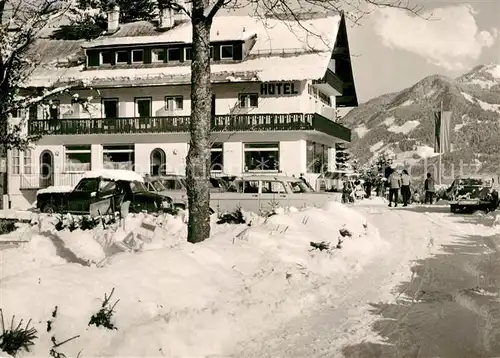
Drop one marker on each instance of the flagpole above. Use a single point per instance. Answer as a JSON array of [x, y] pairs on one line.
[[440, 144]]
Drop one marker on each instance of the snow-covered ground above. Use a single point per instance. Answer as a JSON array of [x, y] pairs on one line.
[[176, 298]]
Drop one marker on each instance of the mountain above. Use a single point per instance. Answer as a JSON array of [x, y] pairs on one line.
[[402, 123]]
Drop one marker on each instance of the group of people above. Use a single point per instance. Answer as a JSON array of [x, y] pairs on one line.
[[402, 182]]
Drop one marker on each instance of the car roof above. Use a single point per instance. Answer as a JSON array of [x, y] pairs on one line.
[[268, 177]]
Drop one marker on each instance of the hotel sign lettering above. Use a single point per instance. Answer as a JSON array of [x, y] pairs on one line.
[[278, 88]]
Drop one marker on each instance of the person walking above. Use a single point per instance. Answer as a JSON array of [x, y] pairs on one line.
[[394, 186], [405, 187], [429, 188]]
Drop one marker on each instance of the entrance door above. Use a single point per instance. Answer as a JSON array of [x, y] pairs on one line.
[[46, 169]]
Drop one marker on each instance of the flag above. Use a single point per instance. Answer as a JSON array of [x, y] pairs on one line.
[[442, 128]]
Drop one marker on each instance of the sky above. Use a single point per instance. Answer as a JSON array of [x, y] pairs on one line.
[[392, 49]]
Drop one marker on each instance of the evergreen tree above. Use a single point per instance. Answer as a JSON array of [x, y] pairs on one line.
[[342, 157]]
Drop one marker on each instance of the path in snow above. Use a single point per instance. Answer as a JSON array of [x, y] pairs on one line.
[[347, 319]]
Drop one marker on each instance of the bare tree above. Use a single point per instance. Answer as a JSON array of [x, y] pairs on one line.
[[202, 14], [22, 23]]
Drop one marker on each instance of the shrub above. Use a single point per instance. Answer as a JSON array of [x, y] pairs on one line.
[[105, 314], [7, 226], [235, 217], [18, 338]]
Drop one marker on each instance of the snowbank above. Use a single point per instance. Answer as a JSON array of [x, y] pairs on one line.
[[179, 299]]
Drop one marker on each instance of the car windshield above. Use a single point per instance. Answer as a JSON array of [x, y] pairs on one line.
[[298, 186], [137, 187], [473, 182]]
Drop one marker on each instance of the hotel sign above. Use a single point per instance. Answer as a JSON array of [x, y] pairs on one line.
[[279, 88]]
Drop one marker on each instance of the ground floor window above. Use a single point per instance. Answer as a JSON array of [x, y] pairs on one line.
[[118, 157], [16, 161], [28, 161], [77, 158], [262, 156], [317, 157], [158, 162], [217, 157]]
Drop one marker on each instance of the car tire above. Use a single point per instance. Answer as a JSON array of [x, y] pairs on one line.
[[453, 209], [48, 208]]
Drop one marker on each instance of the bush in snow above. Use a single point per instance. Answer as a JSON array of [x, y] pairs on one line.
[[235, 217], [7, 226], [17, 338], [105, 314]]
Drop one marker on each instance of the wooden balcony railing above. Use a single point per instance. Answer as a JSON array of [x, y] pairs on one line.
[[180, 124]]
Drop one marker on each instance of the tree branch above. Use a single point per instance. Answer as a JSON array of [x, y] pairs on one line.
[[212, 10]]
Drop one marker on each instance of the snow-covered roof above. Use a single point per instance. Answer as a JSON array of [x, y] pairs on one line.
[[115, 174], [55, 189], [272, 34], [283, 51]]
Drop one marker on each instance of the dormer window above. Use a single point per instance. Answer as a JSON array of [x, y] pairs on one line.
[[174, 55], [158, 55], [226, 52], [137, 56], [106, 58], [121, 57]]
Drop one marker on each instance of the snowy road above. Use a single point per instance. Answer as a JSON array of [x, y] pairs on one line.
[[352, 322]]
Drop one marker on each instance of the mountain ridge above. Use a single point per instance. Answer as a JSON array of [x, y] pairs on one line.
[[402, 123]]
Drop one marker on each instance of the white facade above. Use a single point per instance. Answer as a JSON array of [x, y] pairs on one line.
[[27, 173]]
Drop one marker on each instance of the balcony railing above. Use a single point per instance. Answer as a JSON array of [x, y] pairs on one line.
[[180, 124], [44, 180]]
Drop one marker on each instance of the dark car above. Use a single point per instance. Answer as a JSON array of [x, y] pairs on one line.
[[473, 193], [94, 187]]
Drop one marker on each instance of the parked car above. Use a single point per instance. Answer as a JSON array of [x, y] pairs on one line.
[[174, 186], [96, 186], [479, 192]]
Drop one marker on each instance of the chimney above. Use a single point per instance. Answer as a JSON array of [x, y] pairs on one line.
[[113, 19], [166, 19]]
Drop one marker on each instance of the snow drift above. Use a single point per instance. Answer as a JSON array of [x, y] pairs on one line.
[[179, 299]]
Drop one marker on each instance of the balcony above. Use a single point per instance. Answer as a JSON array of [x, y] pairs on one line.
[[180, 124]]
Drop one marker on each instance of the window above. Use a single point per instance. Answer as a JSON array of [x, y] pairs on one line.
[[317, 158], [33, 112], [251, 186], [137, 56], [188, 55], [174, 103], [121, 57], [106, 57], [110, 108], [217, 157], [143, 107], [226, 52], [249, 100], [262, 156], [174, 54], [28, 161], [77, 158], [158, 162], [173, 184], [16, 161], [299, 186], [87, 185], [272, 187], [106, 185], [118, 157], [158, 55]]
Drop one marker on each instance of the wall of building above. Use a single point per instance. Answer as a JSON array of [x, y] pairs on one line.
[[272, 98], [23, 186]]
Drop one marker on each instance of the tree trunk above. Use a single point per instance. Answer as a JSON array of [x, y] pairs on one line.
[[198, 158]]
